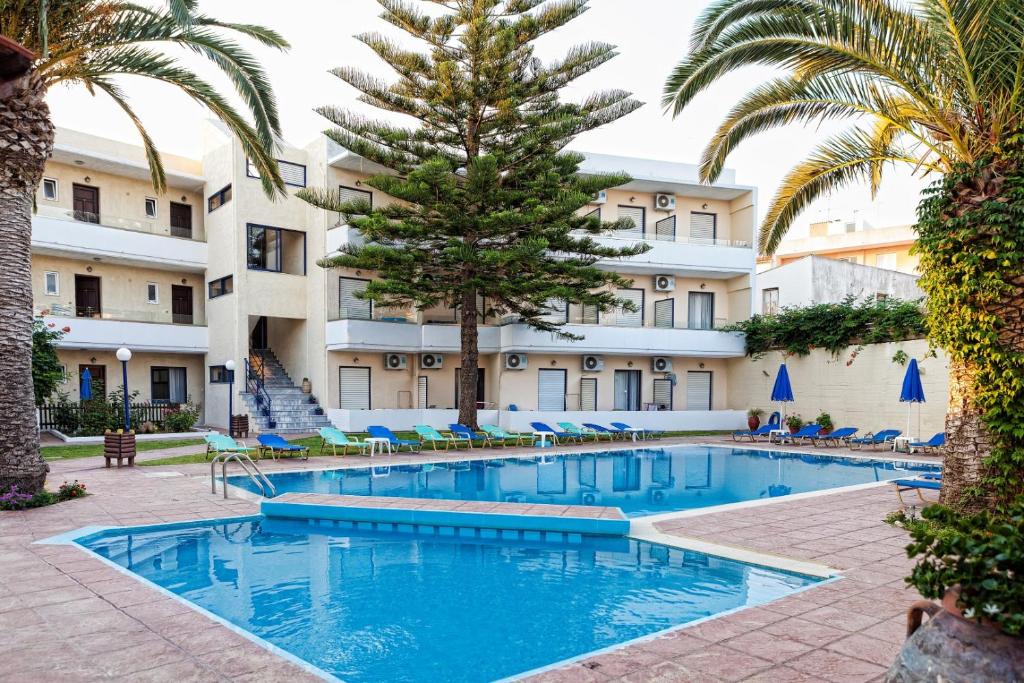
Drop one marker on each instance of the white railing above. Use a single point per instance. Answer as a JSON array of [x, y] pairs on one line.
[[158, 314], [106, 220]]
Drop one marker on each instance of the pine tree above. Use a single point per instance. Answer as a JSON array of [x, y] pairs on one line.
[[489, 200]]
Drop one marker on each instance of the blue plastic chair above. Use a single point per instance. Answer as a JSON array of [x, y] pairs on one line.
[[379, 432], [558, 434], [612, 432], [643, 432], [835, 437], [802, 435], [276, 445], [883, 437], [763, 430], [937, 441], [917, 486], [464, 432]]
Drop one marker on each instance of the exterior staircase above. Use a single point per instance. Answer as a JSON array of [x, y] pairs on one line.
[[290, 408]]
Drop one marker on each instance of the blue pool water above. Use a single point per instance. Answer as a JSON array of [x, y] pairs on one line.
[[639, 481], [376, 606]]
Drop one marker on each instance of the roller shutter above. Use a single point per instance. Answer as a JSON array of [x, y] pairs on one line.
[[354, 388], [698, 390], [551, 390]]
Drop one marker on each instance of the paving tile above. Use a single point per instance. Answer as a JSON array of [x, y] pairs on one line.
[[671, 645], [881, 652], [725, 663], [836, 667], [622, 661], [774, 647], [842, 619], [669, 672], [809, 632]]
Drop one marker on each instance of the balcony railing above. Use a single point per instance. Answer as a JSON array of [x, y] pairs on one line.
[[159, 315], [152, 227], [679, 239]]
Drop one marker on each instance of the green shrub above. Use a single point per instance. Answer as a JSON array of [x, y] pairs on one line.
[[824, 420], [794, 422], [183, 419]]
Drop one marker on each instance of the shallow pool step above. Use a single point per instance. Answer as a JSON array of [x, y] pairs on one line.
[[450, 515]]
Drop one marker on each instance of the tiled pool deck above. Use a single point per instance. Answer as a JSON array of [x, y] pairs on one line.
[[64, 615]]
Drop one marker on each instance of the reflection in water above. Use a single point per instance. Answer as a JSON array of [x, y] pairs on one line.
[[640, 481]]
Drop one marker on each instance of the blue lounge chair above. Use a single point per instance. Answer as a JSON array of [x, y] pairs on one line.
[[917, 486], [379, 432], [584, 433], [464, 432], [763, 430], [498, 434], [837, 436], [883, 437], [611, 431], [558, 434], [936, 442], [329, 436], [802, 435], [644, 433], [276, 445], [430, 435]]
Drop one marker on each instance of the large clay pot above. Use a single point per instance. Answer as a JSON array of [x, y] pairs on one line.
[[951, 649], [753, 422]]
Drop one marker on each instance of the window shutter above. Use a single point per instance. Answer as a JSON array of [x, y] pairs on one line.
[[702, 227], [631, 318], [665, 229], [351, 308], [637, 214], [663, 393], [588, 393], [559, 311], [551, 390], [698, 390], [421, 392], [664, 313], [354, 388], [351, 194], [589, 315]]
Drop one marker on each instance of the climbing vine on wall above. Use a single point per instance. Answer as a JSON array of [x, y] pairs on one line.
[[835, 327], [971, 244]]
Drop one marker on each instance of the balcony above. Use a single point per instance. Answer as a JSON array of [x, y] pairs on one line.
[[678, 255], [158, 330], [74, 234], [396, 334]]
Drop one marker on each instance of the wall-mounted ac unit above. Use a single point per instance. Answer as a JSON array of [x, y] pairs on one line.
[[431, 361], [593, 363], [396, 361], [664, 283], [661, 364], [515, 361], [665, 202], [600, 197]]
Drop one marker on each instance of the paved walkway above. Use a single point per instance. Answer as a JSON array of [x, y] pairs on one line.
[[66, 616]]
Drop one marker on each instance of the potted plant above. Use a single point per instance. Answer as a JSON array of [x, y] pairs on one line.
[[794, 423], [973, 563], [754, 418], [824, 420]]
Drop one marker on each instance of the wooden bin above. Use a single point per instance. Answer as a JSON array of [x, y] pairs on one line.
[[119, 445], [239, 426]]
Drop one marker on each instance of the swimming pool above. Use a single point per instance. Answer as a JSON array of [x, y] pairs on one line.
[[643, 481], [386, 606]]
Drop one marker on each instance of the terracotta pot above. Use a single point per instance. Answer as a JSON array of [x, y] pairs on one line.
[[825, 431], [753, 422], [952, 649]]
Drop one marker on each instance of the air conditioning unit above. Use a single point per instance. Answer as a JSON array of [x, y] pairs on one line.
[[515, 361], [600, 197], [593, 363], [396, 361], [664, 283], [661, 364], [590, 497], [431, 361], [665, 202]]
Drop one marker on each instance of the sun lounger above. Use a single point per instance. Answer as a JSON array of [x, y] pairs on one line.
[[584, 434], [643, 433], [557, 434], [836, 437], [878, 438], [610, 431], [917, 485], [498, 434], [329, 436], [752, 434], [430, 435], [934, 443], [803, 435], [380, 432], [222, 443], [275, 445], [465, 432]]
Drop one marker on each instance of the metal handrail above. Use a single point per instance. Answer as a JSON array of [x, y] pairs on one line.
[[256, 382], [256, 475]]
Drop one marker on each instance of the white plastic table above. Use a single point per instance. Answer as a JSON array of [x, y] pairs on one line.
[[905, 441], [543, 436], [378, 444], [781, 433]]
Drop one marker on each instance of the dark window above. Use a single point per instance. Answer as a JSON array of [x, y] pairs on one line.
[[222, 286], [218, 199], [85, 201], [168, 385], [291, 173], [181, 220], [87, 296], [219, 374], [276, 250]]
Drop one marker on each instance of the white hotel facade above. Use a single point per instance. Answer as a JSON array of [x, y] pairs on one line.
[[213, 271]]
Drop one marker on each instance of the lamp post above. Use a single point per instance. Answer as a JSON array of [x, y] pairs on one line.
[[230, 367], [124, 355]]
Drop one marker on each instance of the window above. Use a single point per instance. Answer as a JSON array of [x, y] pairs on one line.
[[276, 250], [627, 389], [168, 385], [422, 400], [551, 390], [354, 388], [634, 318], [291, 173], [698, 390], [588, 393], [557, 311], [51, 283], [150, 207], [350, 307], [887, 261], [665, 229], [635, 214], [590, 314], [663, 394], [222, 286], [702, 311], [63, 373], [595, 213], [50, 189], [770, 301], [665, 313], [703, 226], [353, 194], [219, 374], [152, 293], [218, 199]]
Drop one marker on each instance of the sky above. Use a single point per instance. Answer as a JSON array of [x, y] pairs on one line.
[[651, 37]]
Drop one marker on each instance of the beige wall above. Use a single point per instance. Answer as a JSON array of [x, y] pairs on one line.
[[138, 371], [869, 256], [684, 206], [863, 394], [122, 200], [123, 289]]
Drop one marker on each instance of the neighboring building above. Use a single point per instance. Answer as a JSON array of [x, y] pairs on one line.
[[852, 241], [212, 270], [818, 280]]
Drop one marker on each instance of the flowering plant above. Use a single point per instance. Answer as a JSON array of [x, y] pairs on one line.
[[73, 490]]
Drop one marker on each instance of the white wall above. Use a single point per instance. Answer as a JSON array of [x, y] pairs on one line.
[[817, 280]]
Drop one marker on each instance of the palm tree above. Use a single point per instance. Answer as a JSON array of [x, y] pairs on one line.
[[935, 85], [90, 43]]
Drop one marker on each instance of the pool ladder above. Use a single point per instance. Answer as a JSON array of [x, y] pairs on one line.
[[251, 468]]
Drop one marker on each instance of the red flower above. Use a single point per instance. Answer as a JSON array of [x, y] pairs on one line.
[[65, 329], [51, 324]]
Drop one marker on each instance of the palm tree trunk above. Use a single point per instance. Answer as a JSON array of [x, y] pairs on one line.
[[967, 442], [470, 358], [26, 139]]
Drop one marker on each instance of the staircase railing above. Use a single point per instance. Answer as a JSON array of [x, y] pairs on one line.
[[256, 382]]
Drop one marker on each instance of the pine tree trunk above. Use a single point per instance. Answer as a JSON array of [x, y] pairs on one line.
[[26, 139], [470, 359], [967, 441]]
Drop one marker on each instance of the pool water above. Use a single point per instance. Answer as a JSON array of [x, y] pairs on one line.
[[641, 482], [383, 606]]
